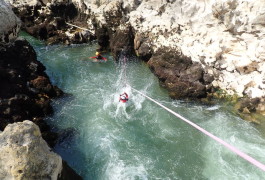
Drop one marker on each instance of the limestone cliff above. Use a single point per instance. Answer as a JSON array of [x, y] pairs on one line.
[[26, 156], [226, 37]]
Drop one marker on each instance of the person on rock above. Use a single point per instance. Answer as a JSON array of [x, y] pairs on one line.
[[124, 97], [98, 57]]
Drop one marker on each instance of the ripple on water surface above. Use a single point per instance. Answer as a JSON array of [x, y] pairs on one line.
[[102, 139]]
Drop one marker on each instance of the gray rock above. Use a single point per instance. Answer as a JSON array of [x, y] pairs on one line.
[[25, 155], [9, 23]]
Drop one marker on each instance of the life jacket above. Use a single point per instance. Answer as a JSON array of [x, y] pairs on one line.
[[99, 57], [124, 97]]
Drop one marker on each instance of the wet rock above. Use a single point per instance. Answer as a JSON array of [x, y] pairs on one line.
[[122, 41], [42, 84], [25, 88], [142, 46], [102, 38], [25, 155], [247, 105], [251, 109], [182, 77], [68, 173]]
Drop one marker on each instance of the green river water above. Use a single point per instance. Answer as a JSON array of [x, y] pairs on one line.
[[104, 140]]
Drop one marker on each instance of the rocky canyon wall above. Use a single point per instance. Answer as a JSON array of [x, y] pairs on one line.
[[195, 47], [225, 37]]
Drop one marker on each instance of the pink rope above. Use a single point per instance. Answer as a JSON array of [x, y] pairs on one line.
[[232, 148]]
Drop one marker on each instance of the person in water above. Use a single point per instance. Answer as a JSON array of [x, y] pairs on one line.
[[124, 97], [98, 57]]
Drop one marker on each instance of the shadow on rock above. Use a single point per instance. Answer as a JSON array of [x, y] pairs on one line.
[[26, 90]]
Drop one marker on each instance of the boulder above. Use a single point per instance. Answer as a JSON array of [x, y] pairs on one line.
[[9, 23], [25, 155], [182, 77]]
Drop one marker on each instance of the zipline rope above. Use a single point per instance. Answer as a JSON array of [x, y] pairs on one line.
[[124, 73], [77, 26], [232, 148]]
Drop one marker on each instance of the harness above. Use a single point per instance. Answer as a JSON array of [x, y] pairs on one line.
[[124, 97]]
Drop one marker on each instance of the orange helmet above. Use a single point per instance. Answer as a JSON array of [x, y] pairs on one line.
[[97, 53]]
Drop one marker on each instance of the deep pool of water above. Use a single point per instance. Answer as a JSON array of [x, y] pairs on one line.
[[104, 140]]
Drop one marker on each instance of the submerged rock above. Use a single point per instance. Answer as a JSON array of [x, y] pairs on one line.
[[25, 155], [252, 110]]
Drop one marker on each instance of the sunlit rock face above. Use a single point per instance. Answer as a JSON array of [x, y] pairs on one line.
[[9, 23], [226, 37], [25, 155]]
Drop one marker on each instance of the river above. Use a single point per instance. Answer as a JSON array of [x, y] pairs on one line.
[[105, 140]]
